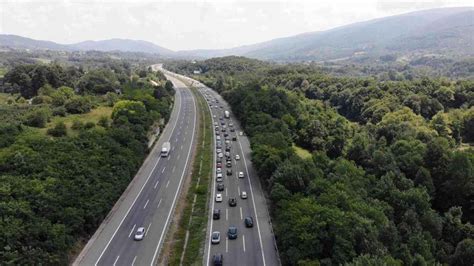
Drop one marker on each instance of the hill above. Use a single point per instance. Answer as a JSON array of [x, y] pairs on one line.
[[446, 31]]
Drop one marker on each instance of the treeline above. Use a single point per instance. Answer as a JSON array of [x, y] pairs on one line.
[[391, 176], [56, 186]]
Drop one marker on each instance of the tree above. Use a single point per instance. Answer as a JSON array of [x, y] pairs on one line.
[[38, 117]]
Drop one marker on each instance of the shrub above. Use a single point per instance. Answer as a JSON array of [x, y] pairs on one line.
[[89, 125], [38, 117], [78, 105], [77, 124], [60, 111], [104, 122], [41, 99], [58, 130]]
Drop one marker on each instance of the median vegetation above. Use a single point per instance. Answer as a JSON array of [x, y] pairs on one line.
[[188, 241], [71, 139]]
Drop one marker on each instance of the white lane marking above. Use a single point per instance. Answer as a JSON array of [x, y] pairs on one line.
[[115, 262], [179, 186], [243, 241], [169, 157], [226, 214], [131, 231], [226, 192], [163, 169], [146, 203], [238, 189], [134, 259], [167, 183], [241, 213], [253, 203], [226, 245], [179, 155], [139, 192], [156, 184], [174, 168], [148, 229], [159, 203]]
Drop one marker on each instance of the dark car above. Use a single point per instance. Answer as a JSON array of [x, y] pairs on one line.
[[226, 134], [229, 171], [219, 160], [232, 129], [228, 164], [232, 232], [218, 258], [219, 165], [234, 138], [216, 215], [248, 221], [227, 148], [232, 202], [220, 187]]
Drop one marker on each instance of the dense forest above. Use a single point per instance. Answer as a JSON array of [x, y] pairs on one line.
[[72, 136], [388, 176]]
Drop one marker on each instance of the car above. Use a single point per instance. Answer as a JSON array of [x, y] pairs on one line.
[[222, 123], [248, 221], [219, 165], [232, 130], [241, 175], [241, 133], [237, 157], [215, 237], [220, 186], [219, 160], [227, 148], [218, 170], [223, 130], [218, 133], [231, 125], [221, 118], [218, 150], [226, 135], [227, 154], [232, 232], [232, 202], [215, 123], [234, 138], [243, 195], [216, 214], [218, 259], [140, 234], [220, 155], [227, 142], [218, 137], [219, 177], [218, 197], [228, 164], [229, 172], [214, 117]]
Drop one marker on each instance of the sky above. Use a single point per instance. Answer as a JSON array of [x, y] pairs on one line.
[[185, 25]]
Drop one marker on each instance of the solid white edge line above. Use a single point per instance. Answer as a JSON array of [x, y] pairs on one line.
[[179, 185], [139, 192]]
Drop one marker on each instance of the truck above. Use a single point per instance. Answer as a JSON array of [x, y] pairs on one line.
[[226, 114], [165, 149]]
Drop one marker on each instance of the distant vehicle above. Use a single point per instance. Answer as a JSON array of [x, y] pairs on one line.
[[218, 151], [231, 125], [140, 234], [227, 154], [227, 148], [241, 133], [226, 114], [219, 159], [229, 171], [219, 165], [220, 155], [237, 157], [165, 149], [218, 133], [216, 237], [243, 195], [228, 164], [220, 186], [218, 170], [219, 197], [234, 138], [232, 232], [218, 259], [216, 215], [219, 177], [232, 202], [218, 137], [241, 175], [248, 221], [232, 129]]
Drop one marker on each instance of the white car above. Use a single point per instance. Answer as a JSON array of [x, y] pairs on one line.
[[140, 234], [220, 155], [219, 177], [219, 197], [241, 174], [241, 133], [218, 151], [218, 170], [243, 195], [237, 157], [216, 237]]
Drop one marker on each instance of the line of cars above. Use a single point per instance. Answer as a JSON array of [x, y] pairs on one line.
[[225, 133]]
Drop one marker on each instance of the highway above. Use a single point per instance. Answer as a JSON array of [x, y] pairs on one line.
[[253, 246], [151, 197]]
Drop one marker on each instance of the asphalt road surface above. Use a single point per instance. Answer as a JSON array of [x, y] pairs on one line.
[[151, 197], [253, 246]]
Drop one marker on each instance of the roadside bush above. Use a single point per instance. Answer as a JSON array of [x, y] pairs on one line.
[[60, 111], [58, 130], [89, 125]]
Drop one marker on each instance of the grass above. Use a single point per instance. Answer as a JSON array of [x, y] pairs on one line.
[[303, 153], [5, 96], [93, 116], [3, 71], [194, 219]]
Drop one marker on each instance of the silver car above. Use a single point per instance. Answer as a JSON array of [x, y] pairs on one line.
[[140, 234], [216, 237]]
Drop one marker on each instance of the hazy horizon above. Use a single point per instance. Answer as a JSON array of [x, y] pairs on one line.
[[189, 25]]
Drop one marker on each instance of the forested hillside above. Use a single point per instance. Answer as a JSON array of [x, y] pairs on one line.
[[72, 136], [390, 179]]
